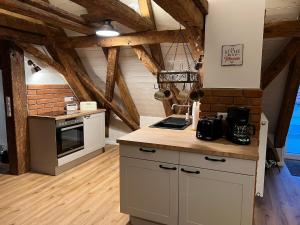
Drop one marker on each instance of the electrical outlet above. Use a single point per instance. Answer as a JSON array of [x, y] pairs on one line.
[[222, 114], [69, 99]]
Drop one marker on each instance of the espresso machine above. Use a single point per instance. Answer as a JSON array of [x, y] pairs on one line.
[[239, 130]]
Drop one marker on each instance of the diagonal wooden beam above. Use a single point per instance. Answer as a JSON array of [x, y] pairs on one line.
[[146, 59], [15, 35], [115, 10], [45, 16], [140, 38], [280, 62], [112, 72], [185, 12], [288, 102], [125, 93], [12, 22], [282, 29]]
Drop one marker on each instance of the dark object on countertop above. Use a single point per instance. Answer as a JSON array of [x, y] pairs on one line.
[[172, 123], [210, 128], [239, 130], [293, 166]]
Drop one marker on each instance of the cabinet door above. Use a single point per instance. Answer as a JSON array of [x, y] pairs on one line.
[[208, 197], [149, 190], [94, 132]]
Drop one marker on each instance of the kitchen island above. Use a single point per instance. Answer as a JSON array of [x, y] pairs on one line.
[[171, 177]]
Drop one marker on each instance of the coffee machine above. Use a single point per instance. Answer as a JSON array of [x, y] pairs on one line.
[[239, 129]]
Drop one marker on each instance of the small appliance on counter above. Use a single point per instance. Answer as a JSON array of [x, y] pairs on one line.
[[88, 106], [73, 106], [210, 128], [239, 130]]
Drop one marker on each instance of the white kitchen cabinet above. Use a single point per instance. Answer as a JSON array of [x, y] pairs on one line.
[[149, 190], [208, 197], [94, 132]]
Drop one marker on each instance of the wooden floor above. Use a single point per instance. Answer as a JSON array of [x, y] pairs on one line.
[[89, 194]]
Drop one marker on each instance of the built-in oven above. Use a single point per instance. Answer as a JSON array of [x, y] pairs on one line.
[[69, 136]]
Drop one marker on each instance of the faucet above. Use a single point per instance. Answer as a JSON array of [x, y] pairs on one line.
[[187, 115]]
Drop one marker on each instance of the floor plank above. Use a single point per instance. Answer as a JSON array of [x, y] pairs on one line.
[[89, 195]]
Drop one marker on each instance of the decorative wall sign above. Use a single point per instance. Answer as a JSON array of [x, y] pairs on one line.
[[232, 55]]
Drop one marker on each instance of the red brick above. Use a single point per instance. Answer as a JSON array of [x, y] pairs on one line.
[[218, 108], [32, 112], [41, 111], [255, 109], [254, 101], [31, 92], [205, 107], [227, 92], [255, 118], [31, 102], [252, 93], [51, 86], [217, 100], [240, 101], [32, 107]]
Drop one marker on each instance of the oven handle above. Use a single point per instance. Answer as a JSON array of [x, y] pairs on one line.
[[72, 127]]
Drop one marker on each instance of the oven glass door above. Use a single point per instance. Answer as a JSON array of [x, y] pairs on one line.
[[69, 139]]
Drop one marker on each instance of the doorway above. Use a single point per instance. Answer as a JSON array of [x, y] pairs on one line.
[[293, 137]]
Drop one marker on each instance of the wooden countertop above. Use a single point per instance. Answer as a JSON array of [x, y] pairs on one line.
[[72, 114], [186, 141]]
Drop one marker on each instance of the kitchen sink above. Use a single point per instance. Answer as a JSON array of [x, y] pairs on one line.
[[174, 123]]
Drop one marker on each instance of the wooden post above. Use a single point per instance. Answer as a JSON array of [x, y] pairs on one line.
[[112, 71], [12, 66]]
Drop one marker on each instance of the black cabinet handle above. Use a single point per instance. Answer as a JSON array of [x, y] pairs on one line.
[[167, 168], [187, 171], [215, 160], [146, 150]]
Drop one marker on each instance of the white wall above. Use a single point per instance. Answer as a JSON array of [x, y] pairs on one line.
[[232, 22], [47, 75], [3, 137]]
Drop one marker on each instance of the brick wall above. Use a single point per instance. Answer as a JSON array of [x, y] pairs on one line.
[[218, 100], [47, 98]]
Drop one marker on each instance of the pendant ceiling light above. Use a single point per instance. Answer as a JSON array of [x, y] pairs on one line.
[[107, 30]]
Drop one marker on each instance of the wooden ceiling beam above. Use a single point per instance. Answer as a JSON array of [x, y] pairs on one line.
[[202, 5], [45, 16], [282, 29], [280, 62], [185, 12], [288, 103], [12, 22], [117, 11], [15, 35], [140, 38], [55, 10]]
